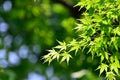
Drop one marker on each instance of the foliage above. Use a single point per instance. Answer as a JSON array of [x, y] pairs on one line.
[[98, 35], [32, 27]]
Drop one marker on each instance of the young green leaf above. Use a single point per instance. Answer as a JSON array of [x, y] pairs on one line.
[[115, 65], [47, 58], [74, 46], [62, 46], [54, 54], [65, 56], [103, 67], [110, 76]]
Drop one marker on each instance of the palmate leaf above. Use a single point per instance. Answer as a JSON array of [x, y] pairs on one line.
[[81, 3], [79, 27], [91, 50], [65, 56], [62, 46], [110, 76], [106, 55], [114, 41], [74, 46], [86, 20], [117, 30], [103, 67], [103, 56], [54, 54], [95, 47], [47, 58], [51, 56], [115, 65]]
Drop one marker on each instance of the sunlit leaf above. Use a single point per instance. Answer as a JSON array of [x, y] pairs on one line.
[[74, 46], [110, 76], [47, 58], [103, 67], [54, 54], [115, 65], [62, 46], [65, 56]]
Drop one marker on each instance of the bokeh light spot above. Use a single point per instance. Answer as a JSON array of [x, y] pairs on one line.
[[3, 27], [2, 54], [32, 58], [18, 40], [49, 72], [7, 6], [36, 49], [35, 76], [7, 41], [13, 58], [3, 63], [23, 51], [54, 78]]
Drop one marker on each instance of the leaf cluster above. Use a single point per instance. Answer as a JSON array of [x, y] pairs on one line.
[[99, 33]]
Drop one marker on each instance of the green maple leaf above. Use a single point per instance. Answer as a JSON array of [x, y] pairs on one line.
[[115, 65], [62, 46], [65, 56], [110, 76], [54, 54], [102, 67], [74, 46]]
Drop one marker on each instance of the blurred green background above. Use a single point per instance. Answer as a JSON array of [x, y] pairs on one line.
[[28, 28]]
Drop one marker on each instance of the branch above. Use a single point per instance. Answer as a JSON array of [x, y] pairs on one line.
[[75, 12]]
